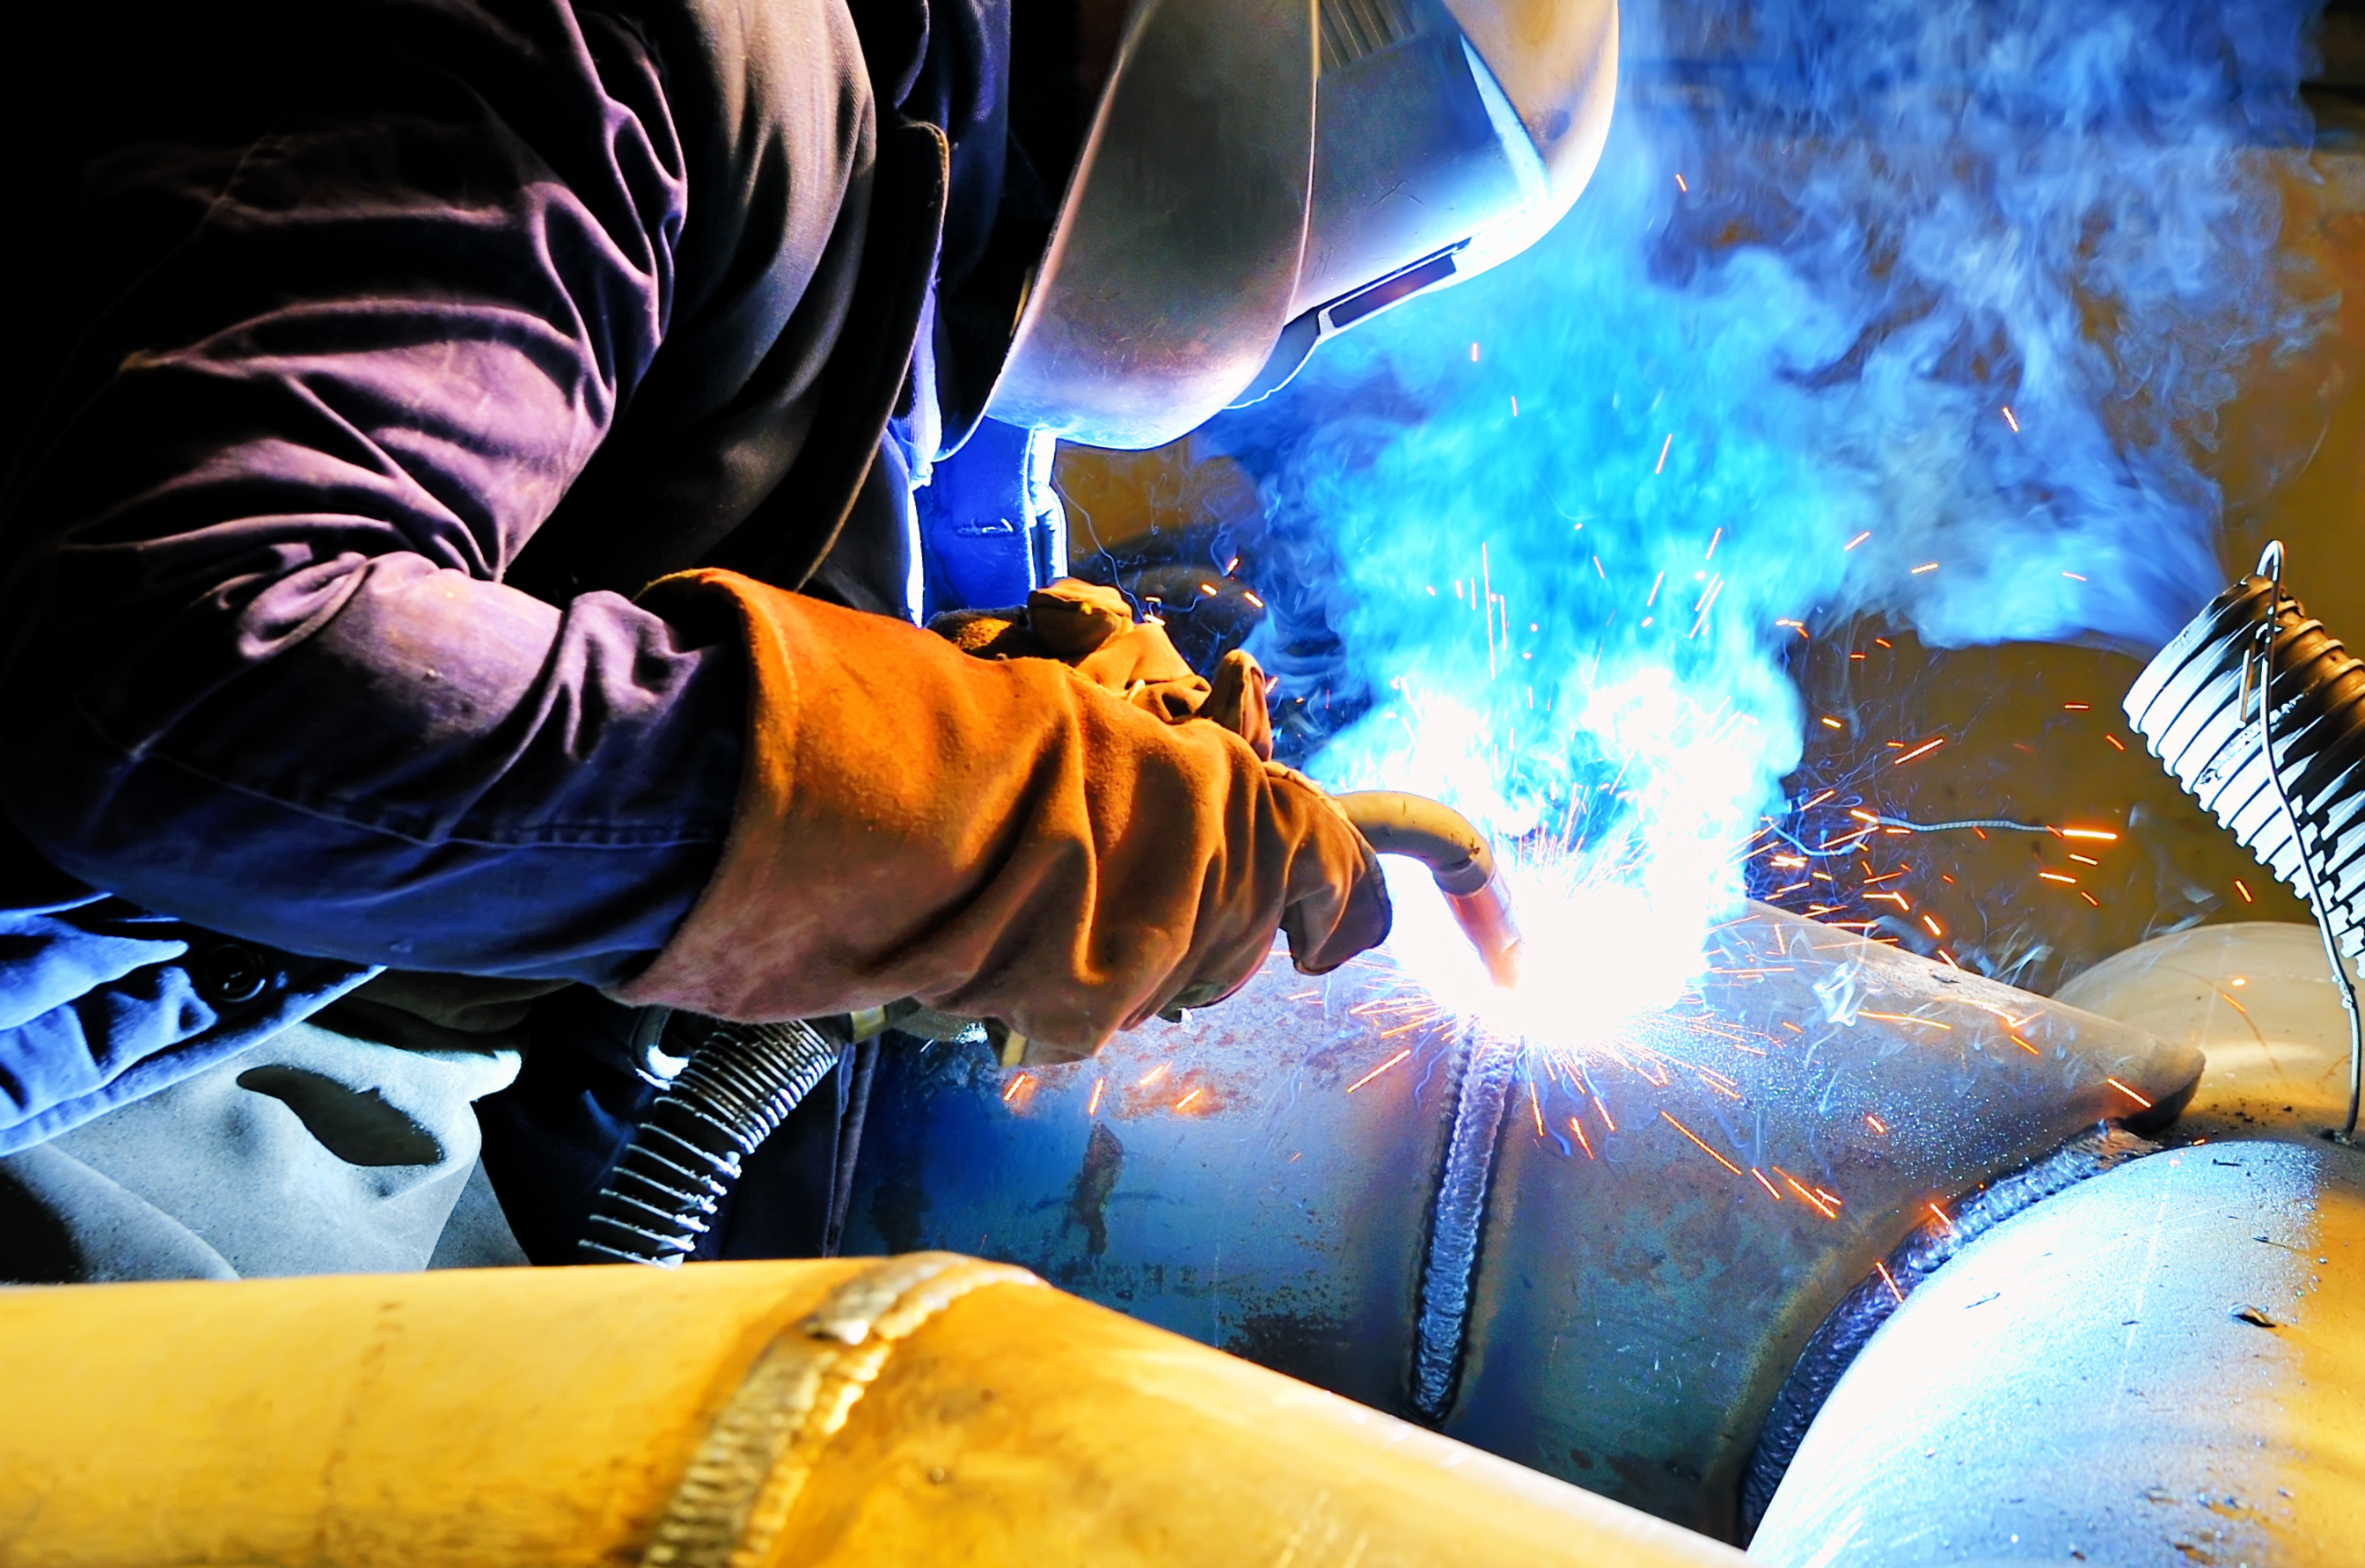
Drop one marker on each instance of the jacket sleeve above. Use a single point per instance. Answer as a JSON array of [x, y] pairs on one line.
[[260, 671]]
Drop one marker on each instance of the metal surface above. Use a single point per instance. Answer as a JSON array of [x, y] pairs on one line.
[[2257, 1000], [1932, 1246], [824, 1414], [2160, 1366], [1267, 1177]]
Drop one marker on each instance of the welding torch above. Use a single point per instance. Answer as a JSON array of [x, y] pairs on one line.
[[739, 1082], [1457, 854]]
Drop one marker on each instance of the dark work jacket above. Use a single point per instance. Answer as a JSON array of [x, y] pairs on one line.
[[383, 350]]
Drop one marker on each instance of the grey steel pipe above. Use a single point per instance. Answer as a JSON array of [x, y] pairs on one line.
[[1668, 1207]]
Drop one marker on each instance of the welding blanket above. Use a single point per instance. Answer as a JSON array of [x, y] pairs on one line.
[[1000, 839]]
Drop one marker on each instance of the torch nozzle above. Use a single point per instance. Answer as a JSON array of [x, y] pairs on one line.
[[1457, 854]]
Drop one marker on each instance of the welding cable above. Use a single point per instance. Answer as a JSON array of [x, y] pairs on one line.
[[2261, 652], [1856, 840], [1966, 824]]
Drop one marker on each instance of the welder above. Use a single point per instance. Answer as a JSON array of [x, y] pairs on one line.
[[460, 557]]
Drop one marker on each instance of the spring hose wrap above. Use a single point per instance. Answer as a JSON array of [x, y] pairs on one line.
[[2192, 707], [2259, 713], [739, 1084]]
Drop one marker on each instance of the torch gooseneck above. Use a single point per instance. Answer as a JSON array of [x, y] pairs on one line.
[[1456, 854]]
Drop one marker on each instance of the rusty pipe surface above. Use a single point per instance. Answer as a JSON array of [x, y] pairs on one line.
[[1670, 1204]]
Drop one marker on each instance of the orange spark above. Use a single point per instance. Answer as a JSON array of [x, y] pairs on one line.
[[2240, 888], [1875, 1123], [1890, 1280], [1856, 541], [2128, 1093], [1581, 1142], [1153, 1076], [1704, 1148], [1093, 1107], [1828, 1210], [1184, 1103], [1928, 745], [1942, 1218], [1764, 1183], [1379, 1070]]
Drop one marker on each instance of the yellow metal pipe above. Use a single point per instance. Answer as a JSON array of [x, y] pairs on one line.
[[921, 1409]]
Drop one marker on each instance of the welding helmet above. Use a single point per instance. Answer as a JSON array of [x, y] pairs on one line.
[[1260, 174]]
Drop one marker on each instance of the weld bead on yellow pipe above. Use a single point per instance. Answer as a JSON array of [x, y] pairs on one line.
[[921, 1409]]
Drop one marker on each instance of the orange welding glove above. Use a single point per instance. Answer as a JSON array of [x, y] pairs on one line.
[[1091, 629], [998, 839]]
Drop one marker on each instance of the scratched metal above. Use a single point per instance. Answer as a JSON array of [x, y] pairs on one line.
[[1275, 1214], [2158, 1367], [1638, 1295]]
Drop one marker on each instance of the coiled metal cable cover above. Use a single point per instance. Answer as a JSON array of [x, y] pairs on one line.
[[2192, 707], [2290, 784], [739, 1084]]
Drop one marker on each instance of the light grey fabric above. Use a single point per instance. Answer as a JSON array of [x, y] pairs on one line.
[[60, 1223], [319, 1151], [477, 1235]]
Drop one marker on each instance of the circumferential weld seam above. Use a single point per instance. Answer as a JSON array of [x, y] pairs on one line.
[[736, 1496]]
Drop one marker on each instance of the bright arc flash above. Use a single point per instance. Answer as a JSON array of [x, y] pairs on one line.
[[1592, 953]]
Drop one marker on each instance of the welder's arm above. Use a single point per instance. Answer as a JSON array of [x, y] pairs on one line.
[[255, 670], [998, 839]]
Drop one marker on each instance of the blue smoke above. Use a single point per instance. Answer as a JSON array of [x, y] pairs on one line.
[[1922, 310]]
